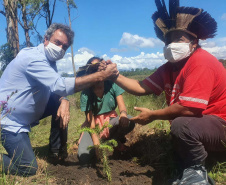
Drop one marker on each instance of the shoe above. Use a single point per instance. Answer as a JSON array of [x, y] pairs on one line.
[[194, 175], [63, 153], [53, 155]]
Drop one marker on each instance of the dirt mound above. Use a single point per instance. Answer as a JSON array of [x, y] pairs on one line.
[[130, 167]]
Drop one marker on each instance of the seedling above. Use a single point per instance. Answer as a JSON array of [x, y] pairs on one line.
[[104, 147]]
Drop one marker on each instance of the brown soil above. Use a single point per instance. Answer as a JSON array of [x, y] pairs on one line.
[[131, 167], [123, 172], [148, 160]]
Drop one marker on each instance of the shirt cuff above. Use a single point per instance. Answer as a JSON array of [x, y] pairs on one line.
[[70, 85]]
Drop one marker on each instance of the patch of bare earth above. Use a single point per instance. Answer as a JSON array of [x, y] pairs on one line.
[[130, 167], [148, 160]]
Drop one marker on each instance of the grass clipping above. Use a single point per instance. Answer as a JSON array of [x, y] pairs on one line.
[[103, 148]]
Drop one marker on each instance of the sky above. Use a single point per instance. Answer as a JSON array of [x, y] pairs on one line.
[[123, 31]]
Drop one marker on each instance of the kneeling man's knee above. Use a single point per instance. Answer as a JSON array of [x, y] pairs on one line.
[[177, 126]]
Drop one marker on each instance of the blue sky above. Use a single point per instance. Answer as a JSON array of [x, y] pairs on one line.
[[122, 30]]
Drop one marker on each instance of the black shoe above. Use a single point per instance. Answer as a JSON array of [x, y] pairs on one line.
[[53, 155], [194, 175], [63, 153]]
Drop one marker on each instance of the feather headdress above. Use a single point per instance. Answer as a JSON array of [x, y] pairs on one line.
[[194, 21]]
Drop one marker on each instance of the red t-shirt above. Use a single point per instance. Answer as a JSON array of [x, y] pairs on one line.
[[199, 83]]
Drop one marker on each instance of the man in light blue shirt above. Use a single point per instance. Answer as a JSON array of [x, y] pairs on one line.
[[40, 93]]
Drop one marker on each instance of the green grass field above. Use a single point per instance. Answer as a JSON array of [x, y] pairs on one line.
[[40, 135]]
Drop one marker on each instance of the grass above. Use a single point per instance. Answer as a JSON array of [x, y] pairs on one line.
[[158, 143]]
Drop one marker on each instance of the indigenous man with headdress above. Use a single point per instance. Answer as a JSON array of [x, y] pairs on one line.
[[194, 83]]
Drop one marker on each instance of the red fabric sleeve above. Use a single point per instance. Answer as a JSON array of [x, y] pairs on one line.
[[155, 81]]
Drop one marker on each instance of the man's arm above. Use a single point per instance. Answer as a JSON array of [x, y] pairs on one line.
[[169, 113], [132, 86], [87, 81]]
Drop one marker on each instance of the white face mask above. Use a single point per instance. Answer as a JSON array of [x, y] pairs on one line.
[[54, 52], [175, 52]]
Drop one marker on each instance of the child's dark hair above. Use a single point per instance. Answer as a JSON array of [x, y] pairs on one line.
[[94, 58]]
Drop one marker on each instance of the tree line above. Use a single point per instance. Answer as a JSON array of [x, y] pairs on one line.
[[28, 15]]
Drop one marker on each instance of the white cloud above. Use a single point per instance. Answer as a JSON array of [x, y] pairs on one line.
[[218, 52], [81, 50], [207, 44], [143, 60], [80, 59], [216, 47], [135, 41], [223, 17]]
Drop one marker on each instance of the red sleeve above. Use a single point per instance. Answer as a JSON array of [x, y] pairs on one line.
[[155, 81], [197, 86]]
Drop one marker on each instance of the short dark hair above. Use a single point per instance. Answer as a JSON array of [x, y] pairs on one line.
[[64, 28]]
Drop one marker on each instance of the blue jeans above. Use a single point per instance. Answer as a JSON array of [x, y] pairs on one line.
[[21, 158]]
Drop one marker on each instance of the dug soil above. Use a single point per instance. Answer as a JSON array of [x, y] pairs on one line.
[[132, 167], [148, 160]]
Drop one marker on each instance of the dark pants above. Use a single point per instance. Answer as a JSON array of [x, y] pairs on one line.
[[21, 158], [193, 137], [58, 136], [87, 156]]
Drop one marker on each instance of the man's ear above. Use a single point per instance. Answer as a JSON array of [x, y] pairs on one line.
[[195, 43], [46, 41]]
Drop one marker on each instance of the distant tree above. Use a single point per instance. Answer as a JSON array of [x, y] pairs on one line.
[[71, 4], [12, 25], [138, 71], [6, 55], [47, 13], [29, 9], [65, 74], [223, 62]]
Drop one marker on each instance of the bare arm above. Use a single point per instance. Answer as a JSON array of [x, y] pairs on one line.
[[123, 120], [133, 86], [90, 119], [87, 81], [169, 113]]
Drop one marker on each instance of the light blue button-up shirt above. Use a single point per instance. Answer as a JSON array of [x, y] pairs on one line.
[[34, 78]]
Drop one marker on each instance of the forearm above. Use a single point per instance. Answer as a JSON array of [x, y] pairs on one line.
[[90, 119], [132, 86], [95, 139], [173, 111], [87, 81]]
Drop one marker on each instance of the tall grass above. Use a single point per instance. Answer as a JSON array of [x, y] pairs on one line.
[[40, 139]]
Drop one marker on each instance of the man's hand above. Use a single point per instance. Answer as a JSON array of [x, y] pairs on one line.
[[111, 71], [144, 117], [63, 113], [102, 66]]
